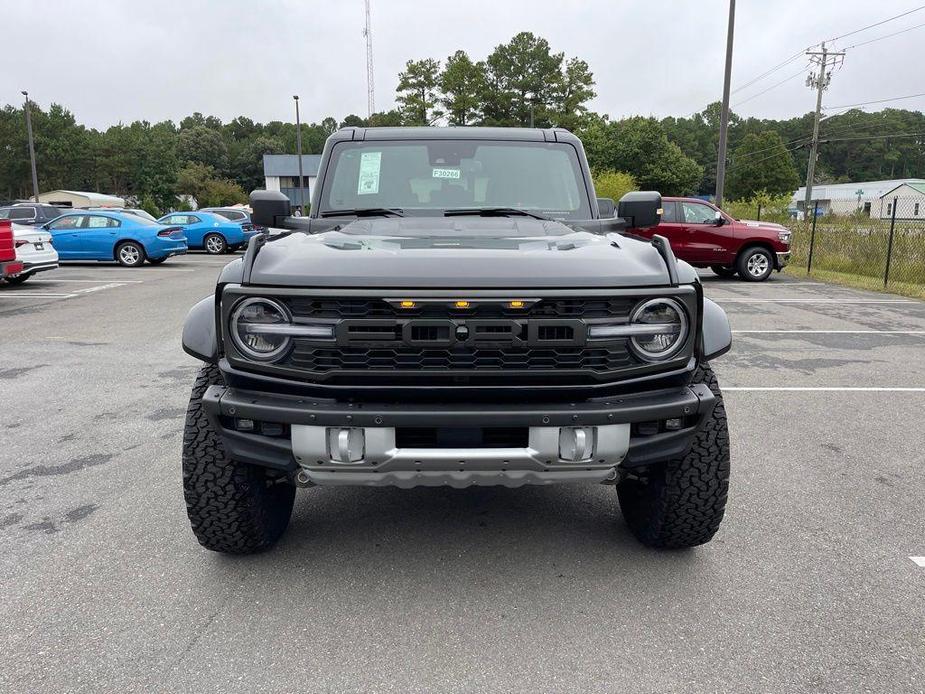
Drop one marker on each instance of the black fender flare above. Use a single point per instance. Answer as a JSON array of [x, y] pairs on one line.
[[199, 339], [717, 335]]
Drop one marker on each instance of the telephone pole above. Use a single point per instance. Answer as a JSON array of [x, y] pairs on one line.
[[724, 117], [298, 148], [35, 177], [819, 81]]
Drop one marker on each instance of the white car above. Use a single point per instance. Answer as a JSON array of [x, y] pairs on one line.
[[34, 249]]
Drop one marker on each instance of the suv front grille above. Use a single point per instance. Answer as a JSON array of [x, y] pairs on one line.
[[377, 343], [319, 360]]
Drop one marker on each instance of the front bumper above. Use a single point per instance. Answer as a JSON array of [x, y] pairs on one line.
[[628, 431], [783, 259]]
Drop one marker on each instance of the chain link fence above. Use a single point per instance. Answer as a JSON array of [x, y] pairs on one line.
[[886, 243]]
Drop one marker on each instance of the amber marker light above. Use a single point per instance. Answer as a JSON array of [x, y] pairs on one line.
[[461, 304], [407, 304], [516, 304]]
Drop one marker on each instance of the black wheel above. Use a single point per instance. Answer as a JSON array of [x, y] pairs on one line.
[[156, 261], [215, 244], [232, 507], [723, 271], [19, 279], [130, 254], [755, 264], [680, 503]]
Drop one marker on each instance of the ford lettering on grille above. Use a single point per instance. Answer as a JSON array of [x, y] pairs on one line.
[[445, 333]]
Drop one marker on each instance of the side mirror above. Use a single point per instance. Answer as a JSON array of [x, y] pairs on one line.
[[269, 207], [606, 208], [640, 209], [718, 218]]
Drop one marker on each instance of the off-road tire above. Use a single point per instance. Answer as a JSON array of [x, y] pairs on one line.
[[756, 254], [680, 503], [232, 507], [723, 271]]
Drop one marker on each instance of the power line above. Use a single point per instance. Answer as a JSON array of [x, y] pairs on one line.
[[774, 69], [874, 137], [773, 86], [876, 24], [878, 101], [770, 156], [880, 38]]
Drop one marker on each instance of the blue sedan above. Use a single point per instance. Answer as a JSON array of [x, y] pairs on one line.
[[211, 231], [126, 238]]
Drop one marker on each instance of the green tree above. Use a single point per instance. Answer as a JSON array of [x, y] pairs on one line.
[[613, 184], [418, 92], [522, 76], [203, 145], [761, 163], [640, 147], [463, 86], [576, 88]]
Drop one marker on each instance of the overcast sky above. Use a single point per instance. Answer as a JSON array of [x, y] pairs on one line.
[[121, 60]]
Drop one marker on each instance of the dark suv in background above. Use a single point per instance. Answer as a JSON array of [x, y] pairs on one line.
[[34, 214], [705, 236]]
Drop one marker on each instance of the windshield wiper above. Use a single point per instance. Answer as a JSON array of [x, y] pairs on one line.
[[366, 212], [493, 212]]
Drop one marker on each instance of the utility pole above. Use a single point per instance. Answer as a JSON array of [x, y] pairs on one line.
[[820, 82], [724, 117], [298, 148], [35, 178], [370, 82]]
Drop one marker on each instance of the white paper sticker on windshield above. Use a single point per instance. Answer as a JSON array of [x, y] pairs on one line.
[[446, 173], [368, 183]]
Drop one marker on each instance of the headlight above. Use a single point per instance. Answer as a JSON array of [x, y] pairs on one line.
[[254, 326], [669, 329], [784, 237]]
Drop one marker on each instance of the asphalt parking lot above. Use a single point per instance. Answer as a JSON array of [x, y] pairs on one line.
[[811, 584]]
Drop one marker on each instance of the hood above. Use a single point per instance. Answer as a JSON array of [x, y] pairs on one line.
[[770, 226], [471, 252]]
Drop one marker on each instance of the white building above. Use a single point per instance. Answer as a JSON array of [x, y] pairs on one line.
[[847, 198], [281, 172], [909, 199], [80, 199]]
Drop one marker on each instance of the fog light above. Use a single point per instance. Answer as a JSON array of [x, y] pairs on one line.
[[674, 423], [346, 444], [576, 443], [244, 424]]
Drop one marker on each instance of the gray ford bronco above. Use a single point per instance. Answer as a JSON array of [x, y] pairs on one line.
[[457, 309]]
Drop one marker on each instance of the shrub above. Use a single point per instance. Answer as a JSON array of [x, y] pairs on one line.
[[613, 184]]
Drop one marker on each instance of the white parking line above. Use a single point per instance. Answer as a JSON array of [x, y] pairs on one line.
[[825, 389], [47, 281], [920, 561], [829, 332], [32, 295]]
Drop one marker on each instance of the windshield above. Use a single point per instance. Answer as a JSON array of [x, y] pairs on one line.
[[431, 177]]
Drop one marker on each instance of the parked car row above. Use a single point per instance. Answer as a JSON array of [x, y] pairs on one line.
[[34, 238]]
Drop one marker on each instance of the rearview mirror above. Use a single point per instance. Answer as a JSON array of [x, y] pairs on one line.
[[641, 208], [269, 207], [606, 209]]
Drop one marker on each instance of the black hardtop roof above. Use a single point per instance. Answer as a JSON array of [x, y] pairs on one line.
[[457, 133]]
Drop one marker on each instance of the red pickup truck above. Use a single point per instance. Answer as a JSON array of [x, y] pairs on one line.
[[705, 236], [9, 266]]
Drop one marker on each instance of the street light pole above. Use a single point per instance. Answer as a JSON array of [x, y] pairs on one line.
[[35, 178], [724, 116], [298, 146]]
